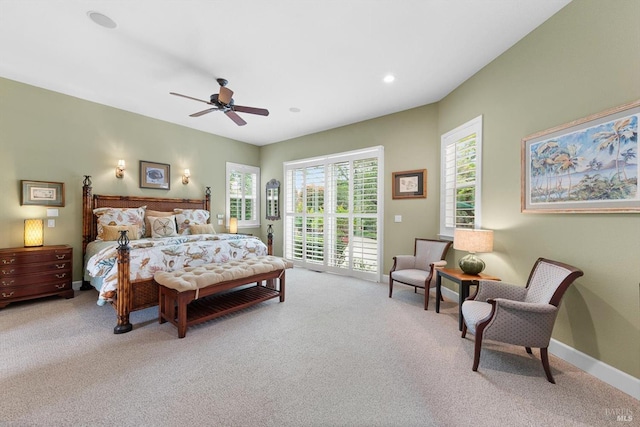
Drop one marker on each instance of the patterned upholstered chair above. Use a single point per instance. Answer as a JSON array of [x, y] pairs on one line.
[[519, 315], [418, 270]]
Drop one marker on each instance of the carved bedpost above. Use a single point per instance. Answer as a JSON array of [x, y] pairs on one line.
[[87, 212], [270, 239], [207, 199], [123, 294]]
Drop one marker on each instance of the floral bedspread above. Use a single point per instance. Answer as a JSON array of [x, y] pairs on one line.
[[167, 254]]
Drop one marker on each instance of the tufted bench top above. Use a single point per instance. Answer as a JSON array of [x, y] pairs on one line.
[[194, 278]]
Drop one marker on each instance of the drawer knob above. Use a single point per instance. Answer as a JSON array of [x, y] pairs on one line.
[[5, 295], [63, 256], [8, 261], [60, 266], [8, 282], [61, 286], [8, 271], [61, 276]]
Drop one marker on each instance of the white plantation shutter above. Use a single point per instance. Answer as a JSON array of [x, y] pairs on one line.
[[461, 164], [365, 211], [243, 200], [332, 214]]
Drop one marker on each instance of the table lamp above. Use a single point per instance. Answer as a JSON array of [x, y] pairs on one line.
[[472, 241], [233, 225], [33, 232]]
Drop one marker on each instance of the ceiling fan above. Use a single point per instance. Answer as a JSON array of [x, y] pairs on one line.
[[224, 102]]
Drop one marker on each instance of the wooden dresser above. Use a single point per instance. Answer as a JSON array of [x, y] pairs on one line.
[[27, 273]]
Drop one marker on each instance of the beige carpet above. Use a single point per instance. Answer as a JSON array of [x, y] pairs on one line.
[[338, 352]]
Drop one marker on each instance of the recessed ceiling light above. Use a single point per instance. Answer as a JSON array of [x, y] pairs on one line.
[[389, 78], [102, 20], [295, 109]]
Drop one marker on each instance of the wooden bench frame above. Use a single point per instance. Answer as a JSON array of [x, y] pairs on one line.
[[182, 309]]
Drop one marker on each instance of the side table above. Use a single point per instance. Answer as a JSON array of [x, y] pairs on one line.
[[462, 279]]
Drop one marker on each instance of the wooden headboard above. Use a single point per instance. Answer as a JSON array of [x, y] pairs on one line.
[[91, 202]]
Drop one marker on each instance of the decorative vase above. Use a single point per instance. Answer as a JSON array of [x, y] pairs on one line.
[[471, 264]]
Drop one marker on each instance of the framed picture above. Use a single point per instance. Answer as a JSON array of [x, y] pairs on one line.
[[155, 175], [410, 184], [42, 193], [586, 166]]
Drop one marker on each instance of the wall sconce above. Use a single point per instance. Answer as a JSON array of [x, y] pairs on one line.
[[33, 232], [233, 225], [120, 169], [186, 176], [472, 241]]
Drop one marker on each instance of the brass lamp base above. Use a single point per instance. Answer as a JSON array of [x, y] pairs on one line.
[[471, 264]]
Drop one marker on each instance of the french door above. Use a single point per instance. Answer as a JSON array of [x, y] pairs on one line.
[[333, 213]]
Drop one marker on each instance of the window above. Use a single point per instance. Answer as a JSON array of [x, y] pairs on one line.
[[243, 197], [332, 218], [461, 181]]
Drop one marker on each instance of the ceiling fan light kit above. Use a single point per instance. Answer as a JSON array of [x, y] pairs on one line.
[[223, 101]]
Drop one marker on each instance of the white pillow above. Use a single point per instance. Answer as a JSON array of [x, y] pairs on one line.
[[164, 226], [120, 216], [187, 217]]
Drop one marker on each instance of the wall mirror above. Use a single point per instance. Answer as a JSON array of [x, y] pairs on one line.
[[273, 199]]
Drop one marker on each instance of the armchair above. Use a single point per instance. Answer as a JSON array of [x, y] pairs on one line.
[[417, 270], [519, 315]]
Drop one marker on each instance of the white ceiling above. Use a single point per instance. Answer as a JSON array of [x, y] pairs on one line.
[[324, 57]]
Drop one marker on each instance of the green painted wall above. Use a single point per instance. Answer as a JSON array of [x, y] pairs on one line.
[[46, 136], [410, 141], [582, 61]]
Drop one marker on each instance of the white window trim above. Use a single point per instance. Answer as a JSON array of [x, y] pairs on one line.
[[451, 137], [375, 151], [237, 167]]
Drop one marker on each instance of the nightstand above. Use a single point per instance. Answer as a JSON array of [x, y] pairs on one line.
[[27, 273]]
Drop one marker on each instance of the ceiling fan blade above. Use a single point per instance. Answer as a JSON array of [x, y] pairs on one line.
[[203, 112], [251, 110], [225, 95], [190, 97], [236, 118]]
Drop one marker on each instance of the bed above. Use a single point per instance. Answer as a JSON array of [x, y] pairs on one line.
[[121, 267]]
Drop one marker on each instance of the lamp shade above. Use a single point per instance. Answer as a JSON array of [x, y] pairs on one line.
[[33, 232], [470, 240], [233, 225]]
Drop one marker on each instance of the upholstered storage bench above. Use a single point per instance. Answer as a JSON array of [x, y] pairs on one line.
[[197, 294]]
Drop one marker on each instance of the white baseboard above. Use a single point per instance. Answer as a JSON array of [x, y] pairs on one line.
[[610, 375]]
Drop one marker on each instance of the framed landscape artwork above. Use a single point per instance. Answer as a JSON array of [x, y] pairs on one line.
[[589, 165], [155, 175], [409, 184]]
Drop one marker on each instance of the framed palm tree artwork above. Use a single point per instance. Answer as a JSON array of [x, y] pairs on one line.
[[589, 165]]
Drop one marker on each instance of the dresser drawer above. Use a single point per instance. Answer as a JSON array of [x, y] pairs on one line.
[[8, 258], [36, 279], [12, 292], [23, 268]]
